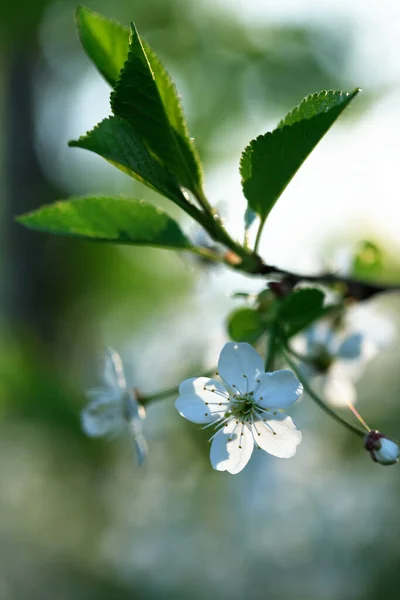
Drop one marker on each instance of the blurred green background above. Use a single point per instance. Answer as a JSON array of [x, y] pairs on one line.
[[78, 518]]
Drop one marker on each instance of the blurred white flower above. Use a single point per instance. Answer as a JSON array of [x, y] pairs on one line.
[[383, 450], [337, 356], [113, 408], [243, 408]]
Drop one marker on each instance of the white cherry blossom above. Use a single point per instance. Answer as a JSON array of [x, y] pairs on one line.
[[113, 407], [339, 355], [335, 359], [243, 407]]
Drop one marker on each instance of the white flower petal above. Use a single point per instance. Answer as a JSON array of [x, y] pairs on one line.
[[198, 403], [278, 436], [278, 390], [104, 395], [113, 371], [351, 346], [239, 366], [135, 414], [139, 439], [339, 392], [231, 448], [102, 418]]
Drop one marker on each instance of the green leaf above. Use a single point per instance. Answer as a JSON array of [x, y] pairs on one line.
[[245, 325], [173, 107], [117, 141], [105, 41], [300, 309], [107, 44], [118, 220], [137, 98], [270, 161]]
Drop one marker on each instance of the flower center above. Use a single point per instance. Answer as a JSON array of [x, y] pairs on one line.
[[242, 407]]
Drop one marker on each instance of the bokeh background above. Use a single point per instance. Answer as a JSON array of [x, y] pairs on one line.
[[78, 518]]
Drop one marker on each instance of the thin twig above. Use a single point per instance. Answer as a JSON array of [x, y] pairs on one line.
[[318, 400], [145, 399], [357, 289]]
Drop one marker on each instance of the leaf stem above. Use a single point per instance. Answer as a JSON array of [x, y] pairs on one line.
[[146, 399], [314, 396], [258, 236], [213, 225], [204, 203], [299, 356]]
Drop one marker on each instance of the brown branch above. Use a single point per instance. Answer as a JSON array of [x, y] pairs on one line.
[[354, 288]]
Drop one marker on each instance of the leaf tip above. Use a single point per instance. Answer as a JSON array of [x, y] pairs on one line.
[[23, 219], [354, 92], [81, 12], [133, 28]]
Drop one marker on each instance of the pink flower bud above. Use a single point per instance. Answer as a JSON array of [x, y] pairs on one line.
[[383, 450]]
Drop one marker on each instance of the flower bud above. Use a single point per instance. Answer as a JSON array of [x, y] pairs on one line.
[[383, 450]]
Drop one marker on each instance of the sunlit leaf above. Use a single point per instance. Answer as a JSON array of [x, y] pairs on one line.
[[270, 161], [138, 99], [105, 41], [117, 141], [105, 219], [173, 107]]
